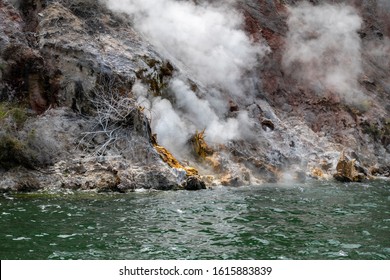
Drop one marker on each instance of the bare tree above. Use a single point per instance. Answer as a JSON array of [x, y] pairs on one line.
[[118, 119]]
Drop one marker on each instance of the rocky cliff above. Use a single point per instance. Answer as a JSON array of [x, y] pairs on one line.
[[120, 95]]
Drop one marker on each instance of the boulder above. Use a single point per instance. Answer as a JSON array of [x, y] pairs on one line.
[[194, 183], [346, 170]]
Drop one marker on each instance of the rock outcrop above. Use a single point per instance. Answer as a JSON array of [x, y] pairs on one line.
[[346, 170]]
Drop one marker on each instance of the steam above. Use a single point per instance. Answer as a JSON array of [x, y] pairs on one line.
[[175, 126], [203, 39], [206, 42], [217, 130], [323, 49]]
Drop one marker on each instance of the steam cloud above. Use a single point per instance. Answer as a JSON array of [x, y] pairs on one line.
[[205, 41], [323, 49]]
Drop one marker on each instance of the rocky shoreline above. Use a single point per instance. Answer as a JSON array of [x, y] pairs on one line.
[[71, 116]]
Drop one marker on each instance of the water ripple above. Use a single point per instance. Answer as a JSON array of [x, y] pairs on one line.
[[321, 221]]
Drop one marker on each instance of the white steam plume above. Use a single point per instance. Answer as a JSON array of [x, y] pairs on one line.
[[323, 49], [174, 126], [201, 114], [205, 39], [206, 42]]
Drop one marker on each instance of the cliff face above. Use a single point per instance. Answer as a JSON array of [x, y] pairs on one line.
[[93, 96], [334, 80], [285, 85]]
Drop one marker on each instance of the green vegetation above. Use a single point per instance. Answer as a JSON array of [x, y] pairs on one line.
[[13, 151], [17, 114], [2, 65], [3, 111]]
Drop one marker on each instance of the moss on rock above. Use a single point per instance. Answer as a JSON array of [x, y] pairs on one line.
[[12, 152]]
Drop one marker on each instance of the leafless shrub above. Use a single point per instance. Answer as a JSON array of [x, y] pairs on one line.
[[117, 121]]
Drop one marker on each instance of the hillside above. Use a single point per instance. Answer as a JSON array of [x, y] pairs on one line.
[[121, 95]]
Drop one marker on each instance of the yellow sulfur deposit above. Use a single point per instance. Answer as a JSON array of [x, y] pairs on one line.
[[167, 157], [200, 146], [214, 162], [317, 173]]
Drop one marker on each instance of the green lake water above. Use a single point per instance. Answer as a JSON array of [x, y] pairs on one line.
[[299, 221]]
